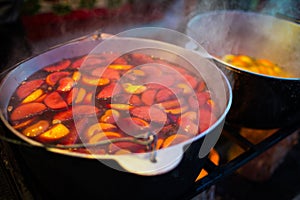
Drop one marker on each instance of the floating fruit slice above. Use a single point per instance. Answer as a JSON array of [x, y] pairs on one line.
[[119, 106], [188, 126], [55, 101], [23, 124], [95, 81], [168, 130], [155, 86], [228, 58], [98, 72], [135, 100], [55, 133], [41, 98], [77, 63], [174, 139], [33, 96], [242, 63], [134, 89], [76, 76], [28, 87], [140, 58], [72, 94], [133, 125], [84, 110], [99, 127], [159, 143], [245, 59], [193, 102], [201, 86], [120, 61], [128, 146], [59, 66], [110, 116], [203, 97], [122, 98], [77, 94], [148, 97], [108, 91], [186, 88], [170, 104], [93, 60], [212, 106], [36, 129], [62, 116], [191, 80], [200, 100], [122, 152], [65, 84], [80, 95], [148, 113], [164, 95], [106, 73], [111, 74], [88, 98], [266, 63], [120, 67], [140, 122], [103, 136], [69, 139], [52, 78], [27, 110], [206, 119], [138, 72], [176, 111]]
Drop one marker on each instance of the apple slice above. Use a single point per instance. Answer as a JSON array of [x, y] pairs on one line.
[[27, 110], [148, 113], [164, 95], [65, 84], [55, 101], [110, 116], [54, 77], [95, 81], [58, 66], [148, 97], [28, 87], [108, 91], [174, 139]]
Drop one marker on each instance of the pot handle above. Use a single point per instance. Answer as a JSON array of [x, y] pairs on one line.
[[141, 164]]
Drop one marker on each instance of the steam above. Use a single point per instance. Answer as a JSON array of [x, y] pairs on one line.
[[239, 32], [288, 8]]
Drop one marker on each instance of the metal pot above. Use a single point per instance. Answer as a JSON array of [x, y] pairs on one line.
[[259, 101], [58, 173]]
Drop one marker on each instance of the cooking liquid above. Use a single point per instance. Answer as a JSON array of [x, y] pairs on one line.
[[43, 106]]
